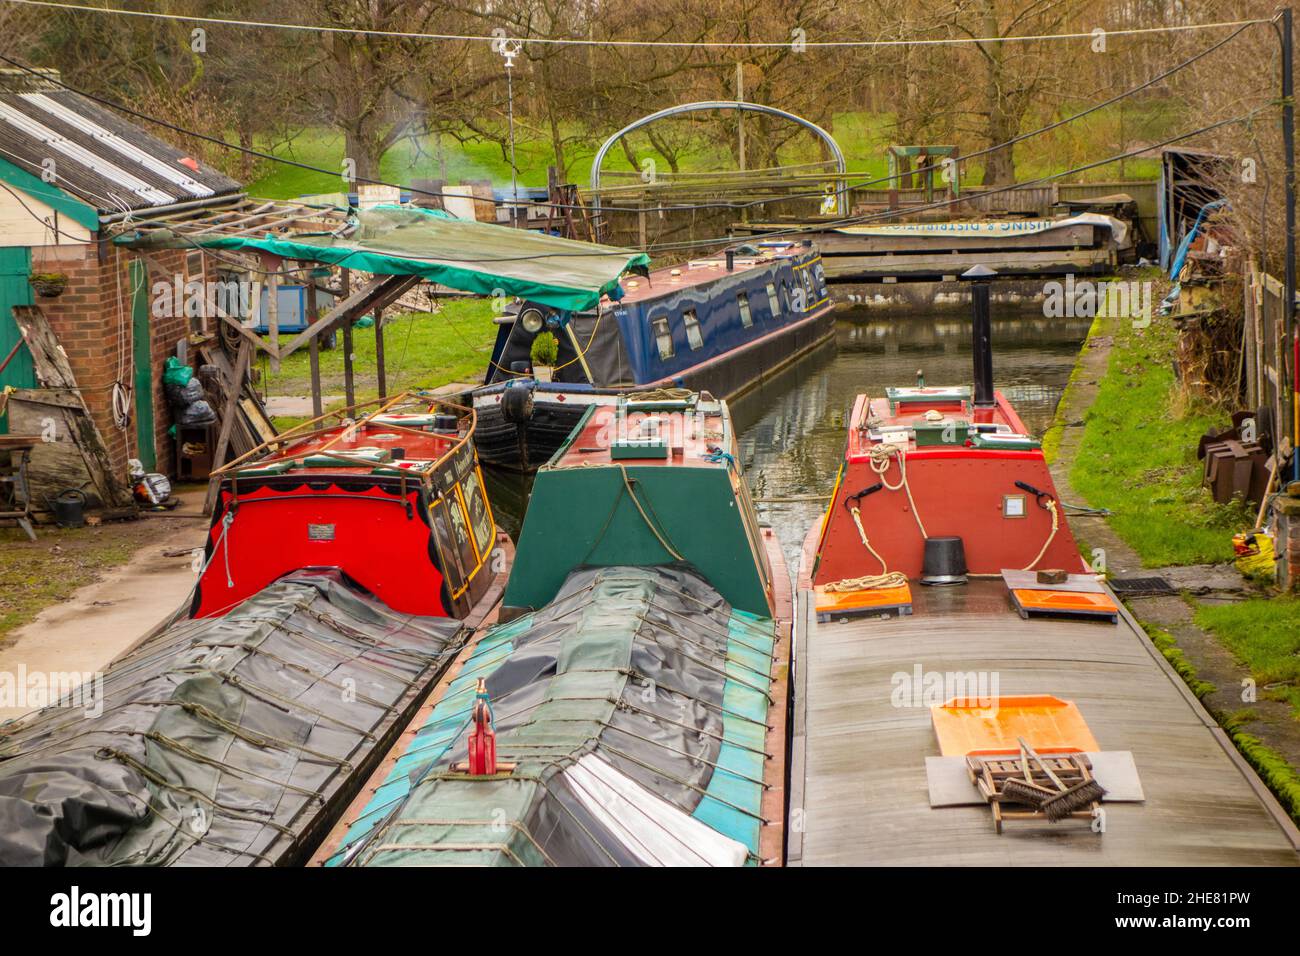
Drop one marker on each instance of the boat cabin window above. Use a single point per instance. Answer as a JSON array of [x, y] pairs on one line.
[[693, 334], [772, 303], [746, 318], [663, 337]]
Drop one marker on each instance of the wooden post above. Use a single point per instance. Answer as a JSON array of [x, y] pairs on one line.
[[317, 402], [234, 391], [273, 315], [380, 372], [349, 386]]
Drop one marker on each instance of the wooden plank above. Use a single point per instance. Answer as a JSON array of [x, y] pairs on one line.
[[1014, 262], [228, 413], [378, 293], [53, 372], [929, 243]]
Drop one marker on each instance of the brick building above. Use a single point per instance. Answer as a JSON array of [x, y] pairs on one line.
[[72, 174]]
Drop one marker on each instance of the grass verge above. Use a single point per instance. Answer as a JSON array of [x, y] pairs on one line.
[[36, 575], [1138, 455], [1264, 634], [1272, 767], [421, 350]]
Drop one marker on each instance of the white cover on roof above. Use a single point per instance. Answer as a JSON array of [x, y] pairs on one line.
[[651, 828], [119, 145]]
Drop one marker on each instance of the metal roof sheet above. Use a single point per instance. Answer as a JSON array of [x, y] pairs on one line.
[[99, 157]]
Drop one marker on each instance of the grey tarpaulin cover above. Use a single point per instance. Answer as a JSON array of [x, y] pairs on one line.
[[227, 741], [635, 708]]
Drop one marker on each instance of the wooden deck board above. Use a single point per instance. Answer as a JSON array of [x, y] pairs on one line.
[[864, 795]]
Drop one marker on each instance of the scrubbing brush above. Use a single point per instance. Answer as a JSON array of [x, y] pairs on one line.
[[1070, 799], [1024, 791]]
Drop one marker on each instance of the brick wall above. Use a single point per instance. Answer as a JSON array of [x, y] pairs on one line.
[[92, 320], [1287, 509]]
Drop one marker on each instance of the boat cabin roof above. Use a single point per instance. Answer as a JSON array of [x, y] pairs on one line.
[[947, 417], [698, 272], [386, 444], [693, 433]]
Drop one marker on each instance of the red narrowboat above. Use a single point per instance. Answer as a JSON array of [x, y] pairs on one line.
[[391, 496]]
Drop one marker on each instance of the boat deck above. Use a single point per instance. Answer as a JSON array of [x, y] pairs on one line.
[[859, 771]]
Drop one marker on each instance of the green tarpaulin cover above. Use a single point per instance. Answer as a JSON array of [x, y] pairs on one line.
[[476, 257]]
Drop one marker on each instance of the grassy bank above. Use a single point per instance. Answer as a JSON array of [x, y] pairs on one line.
[[421, 350], [1264, 634], [1272, 767], [1138, 455]]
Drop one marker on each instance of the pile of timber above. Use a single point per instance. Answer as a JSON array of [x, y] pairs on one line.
[[250, 425], [72, 453]]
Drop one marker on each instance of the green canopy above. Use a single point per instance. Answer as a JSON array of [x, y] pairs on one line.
[[476, 257]]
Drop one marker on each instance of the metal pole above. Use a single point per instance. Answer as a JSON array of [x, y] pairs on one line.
[[981, 279], [1288, 285], [510, 55]]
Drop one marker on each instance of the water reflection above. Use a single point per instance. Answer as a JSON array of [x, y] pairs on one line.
[[791, 430]]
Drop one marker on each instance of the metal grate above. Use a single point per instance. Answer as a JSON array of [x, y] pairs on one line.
[[1142, 587]]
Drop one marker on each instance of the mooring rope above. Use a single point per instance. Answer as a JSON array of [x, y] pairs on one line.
[[869, 582], [1056, 523]]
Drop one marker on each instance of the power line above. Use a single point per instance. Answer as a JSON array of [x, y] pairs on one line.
[[678, 44], [675, 207]]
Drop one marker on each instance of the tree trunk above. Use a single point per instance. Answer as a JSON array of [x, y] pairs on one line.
[[364, 146]]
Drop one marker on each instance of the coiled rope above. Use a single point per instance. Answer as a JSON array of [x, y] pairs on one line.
[[868, 582], [881, 457], [1056, 523]]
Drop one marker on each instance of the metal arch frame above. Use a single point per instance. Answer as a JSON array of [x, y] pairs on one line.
[[841, 194]]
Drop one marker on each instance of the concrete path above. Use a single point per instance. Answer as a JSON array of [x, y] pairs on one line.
[[106, 618]]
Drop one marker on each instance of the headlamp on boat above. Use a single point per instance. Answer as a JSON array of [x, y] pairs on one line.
[[532, 320]]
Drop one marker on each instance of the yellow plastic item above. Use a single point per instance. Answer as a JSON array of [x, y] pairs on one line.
[[1255, 556], [967, 726]]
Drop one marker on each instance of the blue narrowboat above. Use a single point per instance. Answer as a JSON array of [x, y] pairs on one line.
[[720, 324]]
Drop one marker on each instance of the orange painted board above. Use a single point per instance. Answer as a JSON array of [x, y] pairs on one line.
[[967, 726], [851, 602], [1072, 601]]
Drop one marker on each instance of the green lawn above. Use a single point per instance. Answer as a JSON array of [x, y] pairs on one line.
[[1264, 634], [1138, 456], [421, 350], [862, 137]]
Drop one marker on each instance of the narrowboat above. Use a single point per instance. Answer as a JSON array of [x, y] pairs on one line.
[[234, 740], [630, 708], [967, 690], [722, 324], [389, 493], [347, 563]]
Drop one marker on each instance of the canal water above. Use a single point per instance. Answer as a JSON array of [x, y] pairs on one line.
[[791, 429]]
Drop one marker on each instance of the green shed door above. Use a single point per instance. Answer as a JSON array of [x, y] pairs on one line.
[[15, 267], [141, 352]]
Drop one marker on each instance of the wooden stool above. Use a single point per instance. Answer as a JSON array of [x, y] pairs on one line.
[[13, 481]]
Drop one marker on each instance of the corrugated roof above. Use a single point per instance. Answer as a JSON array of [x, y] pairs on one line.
[[99, 157]]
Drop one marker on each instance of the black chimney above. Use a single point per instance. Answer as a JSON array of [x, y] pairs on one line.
[[981, 278], [731, 259]]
